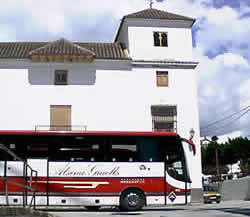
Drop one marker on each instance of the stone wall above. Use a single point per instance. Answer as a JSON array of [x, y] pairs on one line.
[[236, 189]]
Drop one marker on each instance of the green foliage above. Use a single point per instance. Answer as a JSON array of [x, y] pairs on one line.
[[233, 150]]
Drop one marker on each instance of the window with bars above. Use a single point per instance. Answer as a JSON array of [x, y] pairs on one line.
[[160, 39], [164, 118], [61, 77], [162, 78]]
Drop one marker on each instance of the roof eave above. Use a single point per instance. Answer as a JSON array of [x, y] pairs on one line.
[[192, 21], [119, 30]]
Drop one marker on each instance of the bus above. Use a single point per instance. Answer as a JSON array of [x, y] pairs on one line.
[[128, 170]]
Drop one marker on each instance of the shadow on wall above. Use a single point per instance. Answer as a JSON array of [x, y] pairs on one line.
[[75, 76]]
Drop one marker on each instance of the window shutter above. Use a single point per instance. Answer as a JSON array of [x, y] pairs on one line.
[[164, 118], [162, 79]]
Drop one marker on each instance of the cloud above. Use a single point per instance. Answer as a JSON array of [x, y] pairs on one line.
[[222, 91]]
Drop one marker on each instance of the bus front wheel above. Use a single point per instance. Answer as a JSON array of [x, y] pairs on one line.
[[132, 200]]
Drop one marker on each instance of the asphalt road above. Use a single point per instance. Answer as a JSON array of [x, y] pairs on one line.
[[224, 209]]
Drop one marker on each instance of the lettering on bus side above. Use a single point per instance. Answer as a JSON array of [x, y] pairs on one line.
[[92, 170], [132, 181]]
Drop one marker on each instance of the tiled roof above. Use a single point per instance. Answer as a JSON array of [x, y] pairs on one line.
[[152, 13], [61, 47], [22, 50], [156, 14]]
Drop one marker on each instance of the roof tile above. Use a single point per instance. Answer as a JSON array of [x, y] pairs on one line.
[[23, 50], [152, 13]]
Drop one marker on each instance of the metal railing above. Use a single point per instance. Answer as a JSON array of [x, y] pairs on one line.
[[29, 184], [61, 127]]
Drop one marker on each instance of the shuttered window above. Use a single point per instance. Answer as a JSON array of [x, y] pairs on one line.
[[160, 39], [162, 78], [61, 77], [60, 117], [164, 118]]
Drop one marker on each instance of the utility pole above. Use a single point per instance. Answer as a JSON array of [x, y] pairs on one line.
[[214, 139], [217, 162]]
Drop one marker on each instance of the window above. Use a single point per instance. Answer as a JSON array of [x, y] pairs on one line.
[[160, 39], [123, 149], [61, 77], [164, 118], [162, 79], [60, 117], [175, 166]]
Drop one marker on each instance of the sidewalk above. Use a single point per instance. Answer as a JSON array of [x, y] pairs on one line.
[[21, 212]]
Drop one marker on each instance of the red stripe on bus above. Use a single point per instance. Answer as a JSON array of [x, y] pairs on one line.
[[94, 133], [151, 186]]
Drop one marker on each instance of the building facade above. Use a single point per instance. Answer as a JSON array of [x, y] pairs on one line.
[[145, 80]]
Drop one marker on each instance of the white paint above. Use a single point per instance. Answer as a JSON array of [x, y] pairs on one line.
[[40, 165], [142, 45], [1, 168], [13, 200], [85, 169], [84, 201], [15, 168], [2, 200], [39, 201], [155, 200], [178, 200]]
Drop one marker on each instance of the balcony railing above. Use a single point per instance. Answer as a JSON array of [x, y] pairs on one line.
[[61, 127]]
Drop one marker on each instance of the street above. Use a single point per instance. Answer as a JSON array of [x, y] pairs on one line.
[[224, 209]]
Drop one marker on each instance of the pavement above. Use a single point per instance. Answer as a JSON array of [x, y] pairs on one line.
[[224, 209]]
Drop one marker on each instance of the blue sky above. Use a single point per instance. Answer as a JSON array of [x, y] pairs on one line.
[[221, 42]]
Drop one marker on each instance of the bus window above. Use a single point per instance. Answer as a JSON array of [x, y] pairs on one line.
[[147, 149], [88, 149], [171, 152], [175, 167], [123, 149]]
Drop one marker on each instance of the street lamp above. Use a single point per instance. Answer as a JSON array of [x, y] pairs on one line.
[[191, 132]]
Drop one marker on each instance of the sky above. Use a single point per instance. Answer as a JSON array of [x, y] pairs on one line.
[[221, 44]]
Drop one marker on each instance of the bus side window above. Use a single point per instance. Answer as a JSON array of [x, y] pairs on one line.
[[123, 149], [147, 149]]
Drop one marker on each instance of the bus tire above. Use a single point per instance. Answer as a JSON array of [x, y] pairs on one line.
[[92, 208], [132, 199]]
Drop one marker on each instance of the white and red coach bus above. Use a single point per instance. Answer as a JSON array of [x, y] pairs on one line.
[[94, 169]]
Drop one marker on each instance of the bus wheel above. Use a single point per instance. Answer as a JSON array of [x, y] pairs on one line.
[[132, 200], [92, 208]]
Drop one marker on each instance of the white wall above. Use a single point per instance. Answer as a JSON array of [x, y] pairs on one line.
[[141, 42], [113, 99]]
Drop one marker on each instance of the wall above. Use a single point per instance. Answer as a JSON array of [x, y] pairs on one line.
[[238, 189], [141, 42]]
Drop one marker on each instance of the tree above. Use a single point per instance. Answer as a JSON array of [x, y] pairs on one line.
[[232, 151]]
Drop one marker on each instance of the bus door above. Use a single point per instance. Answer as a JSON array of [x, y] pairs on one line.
[[176, 182]]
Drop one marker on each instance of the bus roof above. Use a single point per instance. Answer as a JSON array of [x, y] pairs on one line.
[[94, 133]]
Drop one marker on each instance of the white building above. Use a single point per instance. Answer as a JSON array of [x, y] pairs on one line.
[[145, 80]]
